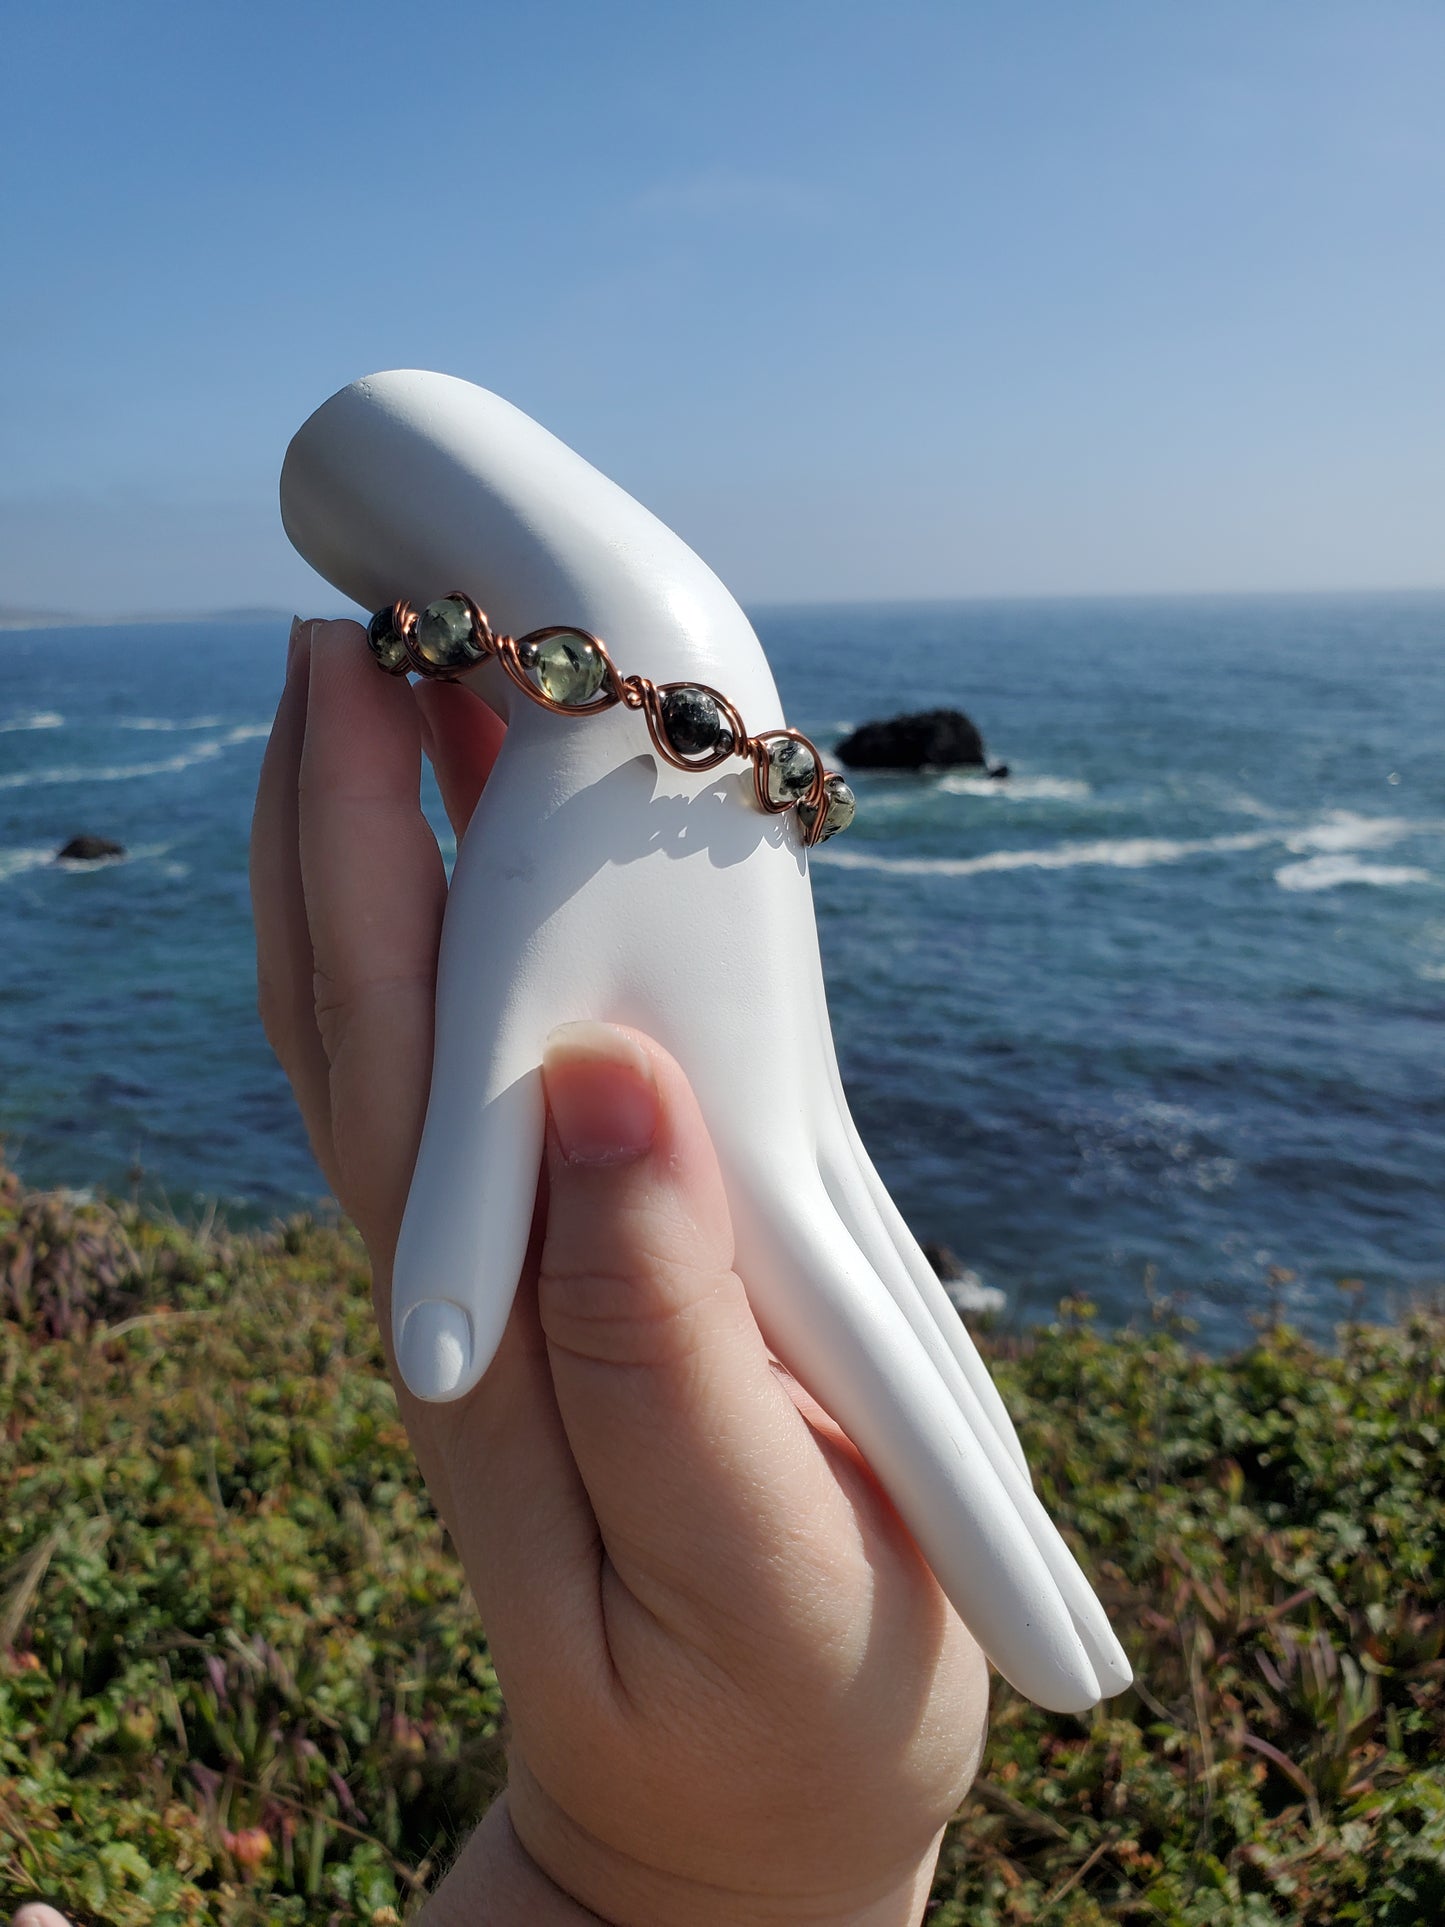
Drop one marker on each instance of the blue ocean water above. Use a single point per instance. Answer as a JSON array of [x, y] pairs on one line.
[[1168, 1005]]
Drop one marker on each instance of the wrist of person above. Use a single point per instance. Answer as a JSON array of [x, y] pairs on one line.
[[494, 1882], [612, 1887]]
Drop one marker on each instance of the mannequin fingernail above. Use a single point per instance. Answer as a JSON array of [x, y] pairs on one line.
[[434, 1348], [601, 1094]]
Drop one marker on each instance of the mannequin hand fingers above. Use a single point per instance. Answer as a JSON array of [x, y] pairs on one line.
[[833, 1324], [845, 1185], [891, 1249], [843, 1151], [464, 1236], [499, 1466]]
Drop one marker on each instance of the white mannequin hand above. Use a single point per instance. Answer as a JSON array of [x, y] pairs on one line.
[[734, 1690], [595, 882]]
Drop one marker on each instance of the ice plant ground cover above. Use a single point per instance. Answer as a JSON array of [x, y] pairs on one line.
[[240, 1680]]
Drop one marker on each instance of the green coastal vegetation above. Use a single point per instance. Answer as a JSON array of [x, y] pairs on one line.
[[240, 1680]]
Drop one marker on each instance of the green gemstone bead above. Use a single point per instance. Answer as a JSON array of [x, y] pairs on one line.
[[567, 668], [444, 635], [790, 771], [386, 645], [840, 806]]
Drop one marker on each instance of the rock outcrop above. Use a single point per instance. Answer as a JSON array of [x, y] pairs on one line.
[[89, 849], [930, 739], [966, 1290]]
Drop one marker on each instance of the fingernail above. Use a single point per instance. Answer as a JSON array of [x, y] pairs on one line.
[[298, 630], [601, 1094], [434, 1348]]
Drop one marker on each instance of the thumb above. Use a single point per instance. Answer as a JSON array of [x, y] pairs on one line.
[[696, 1461]]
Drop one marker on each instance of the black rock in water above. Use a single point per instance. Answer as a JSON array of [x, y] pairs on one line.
[[89, 849], [932, 739], [945, 1261], [965, 1290]]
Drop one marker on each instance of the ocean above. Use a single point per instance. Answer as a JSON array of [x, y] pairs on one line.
[[1161, 1015]]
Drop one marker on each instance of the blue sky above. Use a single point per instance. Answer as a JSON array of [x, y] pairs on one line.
[[867, 301]]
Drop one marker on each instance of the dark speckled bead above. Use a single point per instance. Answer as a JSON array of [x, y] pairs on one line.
[[693, 723], [790, 770], [386, 645]]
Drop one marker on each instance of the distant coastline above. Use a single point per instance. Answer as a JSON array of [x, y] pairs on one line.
[[63, 619]]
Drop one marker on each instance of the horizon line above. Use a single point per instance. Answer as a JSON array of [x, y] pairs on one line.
[[21, 620]]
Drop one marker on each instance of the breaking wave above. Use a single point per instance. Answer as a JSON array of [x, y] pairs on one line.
[[1119, 853], [14, 863], [127, 772], [1329, 872], [1326, 847], [1345, 830], [1018, 789]]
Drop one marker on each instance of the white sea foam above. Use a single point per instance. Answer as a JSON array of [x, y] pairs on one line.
[[1118, 853], [14, 863], [1330, 871], [38, 719], [1018, 789], [126, 772], [1345, 830], [167, 722], [81, 866], [968, 1293], [1327, 846]]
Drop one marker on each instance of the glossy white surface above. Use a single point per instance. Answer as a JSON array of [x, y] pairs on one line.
[[597, 882]]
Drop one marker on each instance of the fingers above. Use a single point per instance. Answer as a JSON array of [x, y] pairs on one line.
[[374, 891], [696, 1461], [284, 968], [828, 1316], [35, 1913], [462, 736]]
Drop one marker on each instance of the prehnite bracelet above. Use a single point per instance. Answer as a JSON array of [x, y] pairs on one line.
[[692, 726]]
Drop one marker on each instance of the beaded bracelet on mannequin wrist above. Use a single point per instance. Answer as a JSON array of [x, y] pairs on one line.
[[571, 672]]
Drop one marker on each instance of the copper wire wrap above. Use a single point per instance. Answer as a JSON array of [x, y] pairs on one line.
[[634, 692]]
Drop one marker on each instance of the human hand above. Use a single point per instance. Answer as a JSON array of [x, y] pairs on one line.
[[735, 1690]]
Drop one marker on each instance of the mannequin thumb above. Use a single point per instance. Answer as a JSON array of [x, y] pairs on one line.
[[676, 1420]]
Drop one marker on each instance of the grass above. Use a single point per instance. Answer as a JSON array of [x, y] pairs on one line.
[[240, 1680]]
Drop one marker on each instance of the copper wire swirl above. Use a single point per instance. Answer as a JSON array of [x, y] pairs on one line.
[[634, 692]]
